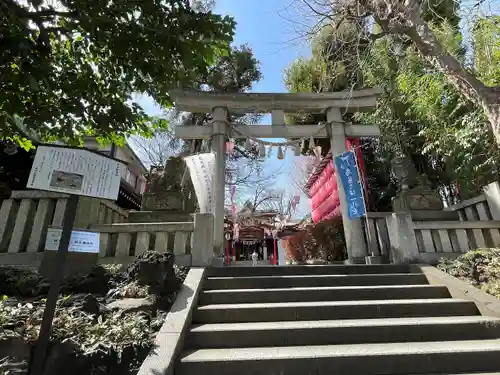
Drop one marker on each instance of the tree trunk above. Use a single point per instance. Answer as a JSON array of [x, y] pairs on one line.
[[492, 110], [472, 88], [434, 53]]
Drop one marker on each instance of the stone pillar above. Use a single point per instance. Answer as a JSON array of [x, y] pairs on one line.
[[87, 212], [218, 147], [264, 251], [353, 229], [201, 251], [492, 194], [403, 242]]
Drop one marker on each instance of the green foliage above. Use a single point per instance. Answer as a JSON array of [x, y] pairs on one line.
[[105, 337], [236, 72], [479, 267], [18, 282], [486, 35], [303, 75], [113, 333], [232, 73], [439, 11], [332, 66], [70, 71], [420, 115], [129, 290]]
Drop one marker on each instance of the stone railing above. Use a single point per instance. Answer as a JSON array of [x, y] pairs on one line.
[[191, 242], [27, 214], [417, 237], [427, 241], [472, 209], [486, 206], [377, 234], [456, 236], [120, 243]]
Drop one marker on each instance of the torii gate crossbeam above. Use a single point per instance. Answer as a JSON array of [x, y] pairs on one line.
[[333, 104]]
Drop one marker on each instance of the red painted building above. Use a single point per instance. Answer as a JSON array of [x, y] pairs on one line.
[[322, 186]]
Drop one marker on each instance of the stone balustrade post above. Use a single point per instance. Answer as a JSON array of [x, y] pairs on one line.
[[403, 242], [202, 250], [492, 194], [87, 212], [8, 213]]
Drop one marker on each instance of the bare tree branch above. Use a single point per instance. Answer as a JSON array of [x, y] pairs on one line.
[[404, 19], [156, 150]]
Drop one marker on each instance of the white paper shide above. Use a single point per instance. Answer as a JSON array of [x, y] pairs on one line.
[[202, 169], [76, 171]]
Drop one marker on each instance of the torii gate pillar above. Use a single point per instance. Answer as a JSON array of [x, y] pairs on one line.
[[221, 104], [220, 115], [353, 229]]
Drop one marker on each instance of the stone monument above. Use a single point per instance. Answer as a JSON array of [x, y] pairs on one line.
[[415, 194], [166, 199]]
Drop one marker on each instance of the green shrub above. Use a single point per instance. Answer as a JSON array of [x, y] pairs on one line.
[[479, 267]]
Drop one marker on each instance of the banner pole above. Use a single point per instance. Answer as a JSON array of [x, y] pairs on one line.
[[363, 190], [38, 364]]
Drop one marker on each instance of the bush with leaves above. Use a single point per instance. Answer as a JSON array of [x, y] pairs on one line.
[[18, 282], [109, 340], [112, 332], [479, 267], [323, 241]]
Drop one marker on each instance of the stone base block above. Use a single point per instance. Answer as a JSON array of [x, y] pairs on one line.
[[167, 200], [218, 262], [417, 199], [359, 260], [375, 260], [159, 216], [76, 264], [434, 215]]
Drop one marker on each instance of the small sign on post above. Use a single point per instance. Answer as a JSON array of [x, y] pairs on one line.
[[77, 172], [83, 252], [80, 241], [347, 168]]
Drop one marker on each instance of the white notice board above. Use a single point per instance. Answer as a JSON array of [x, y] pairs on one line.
[[80, 242], [76, 171]]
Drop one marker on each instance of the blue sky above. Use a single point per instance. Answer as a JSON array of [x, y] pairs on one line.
[[265, 25]]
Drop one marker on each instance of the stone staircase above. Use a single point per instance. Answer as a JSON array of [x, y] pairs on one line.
[[304, 320]]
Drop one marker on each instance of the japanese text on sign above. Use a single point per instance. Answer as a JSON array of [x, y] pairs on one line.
[[201, 169], [75, 171], [347, 169], [80, 242]]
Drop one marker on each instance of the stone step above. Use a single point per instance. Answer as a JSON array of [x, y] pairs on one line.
[[345, 293], [335, 332], [359, 359], [330, 310], [292, 281], [310, 270]]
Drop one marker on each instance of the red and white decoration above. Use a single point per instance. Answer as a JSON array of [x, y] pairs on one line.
[[325, 202]]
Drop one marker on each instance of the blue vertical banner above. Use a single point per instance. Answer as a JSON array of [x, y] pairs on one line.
[[347, 169]]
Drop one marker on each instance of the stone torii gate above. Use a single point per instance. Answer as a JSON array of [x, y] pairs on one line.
[[333, 104]]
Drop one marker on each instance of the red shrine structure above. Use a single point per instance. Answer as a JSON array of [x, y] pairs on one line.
[[322, 188]]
